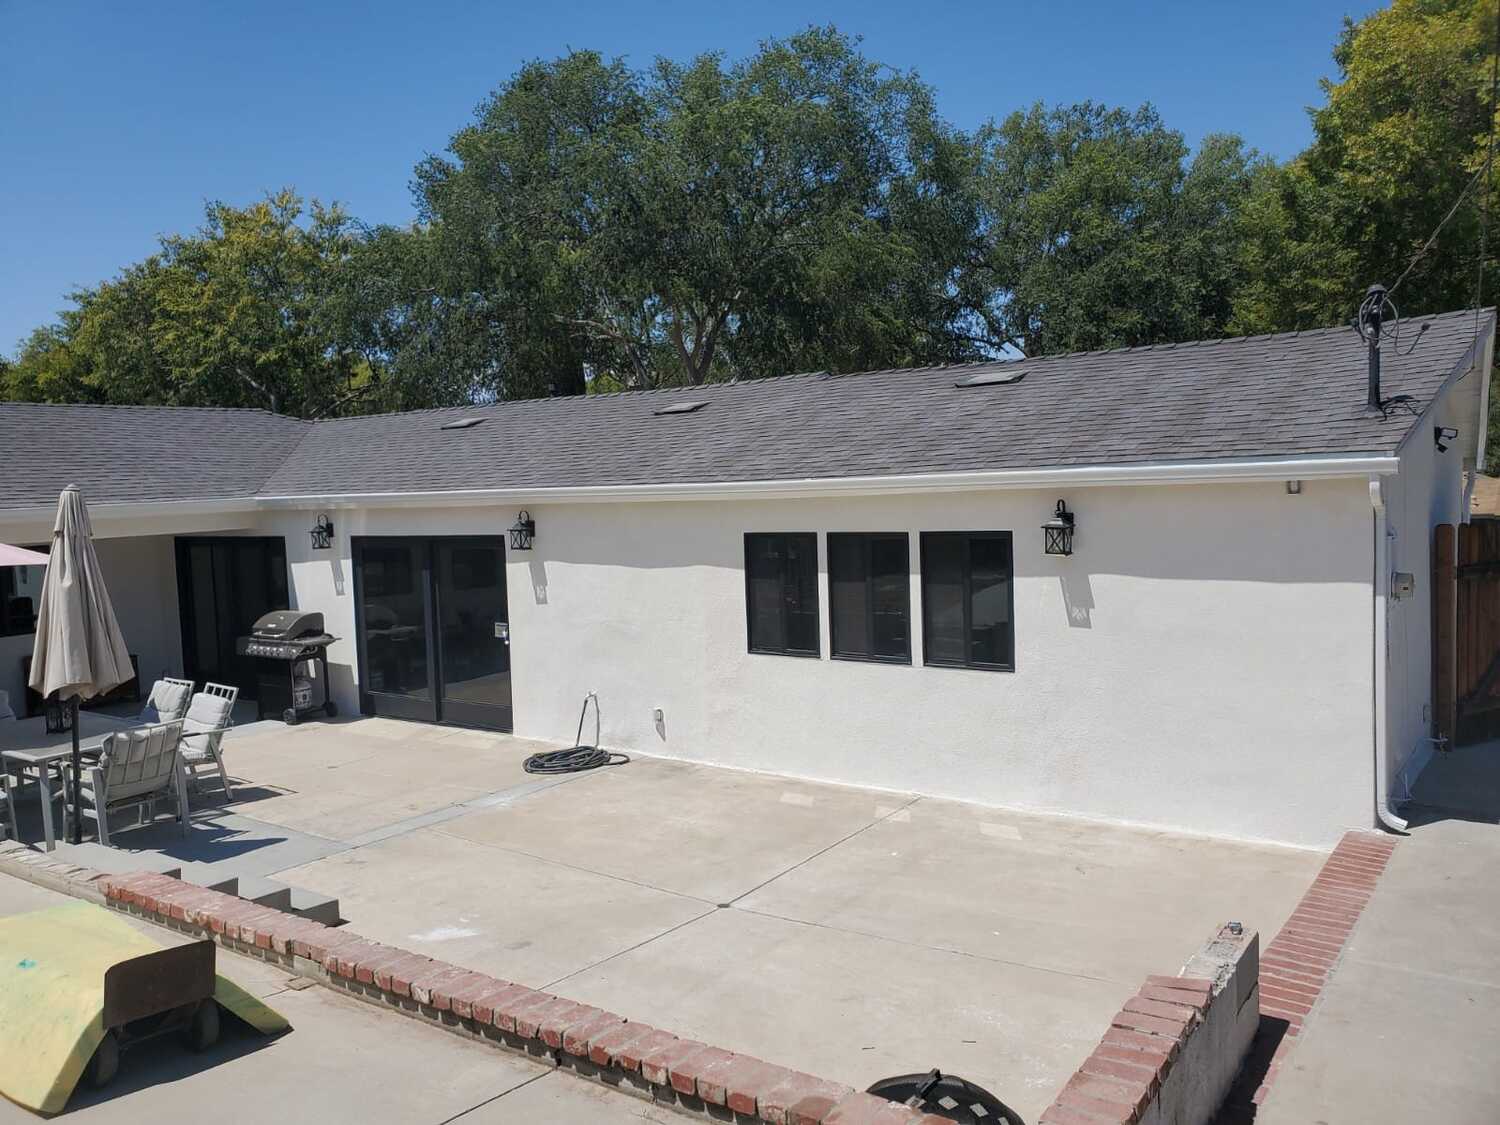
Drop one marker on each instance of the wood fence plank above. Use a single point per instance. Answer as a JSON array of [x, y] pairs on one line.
[[1444, 594]]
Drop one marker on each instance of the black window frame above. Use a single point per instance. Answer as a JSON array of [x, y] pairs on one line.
[[816, 653], [968, 601], [12, 624], [868, 538]]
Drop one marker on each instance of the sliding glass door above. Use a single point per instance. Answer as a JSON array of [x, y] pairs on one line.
[[224, 585], [433, 631]]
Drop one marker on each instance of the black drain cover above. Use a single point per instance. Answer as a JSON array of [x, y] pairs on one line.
[[946, 1095]]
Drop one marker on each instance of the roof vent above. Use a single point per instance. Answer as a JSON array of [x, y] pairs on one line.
[[990, 379], [680, 407], [461, 424]]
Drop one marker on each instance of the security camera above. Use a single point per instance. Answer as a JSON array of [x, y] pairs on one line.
[[1440, 434]]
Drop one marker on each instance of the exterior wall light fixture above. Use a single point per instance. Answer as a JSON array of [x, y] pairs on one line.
[[322, 533], [1057, 533], [522, 532]]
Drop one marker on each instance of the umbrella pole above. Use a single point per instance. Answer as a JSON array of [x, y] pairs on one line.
[[77, 778]]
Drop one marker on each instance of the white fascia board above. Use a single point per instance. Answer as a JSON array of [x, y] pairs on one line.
[[136, 509], [1481, 350], [1483, 427], [1197, 472], [1205, 472]]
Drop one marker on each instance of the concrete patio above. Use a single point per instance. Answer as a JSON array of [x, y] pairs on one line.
[[851, 933]]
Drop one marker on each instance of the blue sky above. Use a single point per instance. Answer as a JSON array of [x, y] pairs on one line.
[[118, 120]]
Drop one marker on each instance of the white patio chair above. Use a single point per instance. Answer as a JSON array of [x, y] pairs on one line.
[[209, 715], [135, 769], [168, 700]]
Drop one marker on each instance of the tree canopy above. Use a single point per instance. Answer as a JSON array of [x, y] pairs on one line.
[[805, 207]]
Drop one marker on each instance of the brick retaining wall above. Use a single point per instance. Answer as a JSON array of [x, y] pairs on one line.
[[692, 1076], [1172, 1051]]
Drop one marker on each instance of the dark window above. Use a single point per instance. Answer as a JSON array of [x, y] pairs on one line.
[[781, 592], [967, 599], [869, 594]]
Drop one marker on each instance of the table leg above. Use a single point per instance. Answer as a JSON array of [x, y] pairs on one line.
[[10, 799], [45, 781]]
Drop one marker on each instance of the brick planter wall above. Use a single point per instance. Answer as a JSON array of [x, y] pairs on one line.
[[636, 1057], [1172, 1052]]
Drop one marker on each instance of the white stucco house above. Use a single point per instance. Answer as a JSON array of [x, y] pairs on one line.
[[844, 577]]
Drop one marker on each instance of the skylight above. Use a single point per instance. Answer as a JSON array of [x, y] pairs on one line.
[[990, 379], [462, 423], [680, 408]]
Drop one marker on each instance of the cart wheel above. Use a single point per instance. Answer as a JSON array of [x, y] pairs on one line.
[[330, 708], [106, 1060], [289, 717], [203, 1032]]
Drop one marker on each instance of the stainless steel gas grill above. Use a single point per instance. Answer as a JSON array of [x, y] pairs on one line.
[[287, 644]]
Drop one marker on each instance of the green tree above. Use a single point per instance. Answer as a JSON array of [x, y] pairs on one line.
[[247, 311], [702, 220], [1404, 130], [1099, 231]]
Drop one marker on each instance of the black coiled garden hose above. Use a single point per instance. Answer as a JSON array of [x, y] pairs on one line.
[[577, 757]]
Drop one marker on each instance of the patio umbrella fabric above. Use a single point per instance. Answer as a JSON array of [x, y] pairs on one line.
[[20, 556], [79, 651]]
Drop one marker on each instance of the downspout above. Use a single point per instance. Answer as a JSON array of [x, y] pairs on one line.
[[1382, 586], [1471, 478]]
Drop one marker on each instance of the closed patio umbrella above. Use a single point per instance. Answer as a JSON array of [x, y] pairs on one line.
[[80, 652]]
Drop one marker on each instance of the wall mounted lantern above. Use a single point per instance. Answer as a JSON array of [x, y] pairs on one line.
[[1057, 533], [322, 533], [522, 532]]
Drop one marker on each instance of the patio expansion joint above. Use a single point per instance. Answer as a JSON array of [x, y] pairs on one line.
[[629, 949], [461, 1114], [825, 850]]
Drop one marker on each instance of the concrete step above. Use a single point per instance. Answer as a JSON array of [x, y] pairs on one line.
[[315, 907], [210, 876], [263, 892]]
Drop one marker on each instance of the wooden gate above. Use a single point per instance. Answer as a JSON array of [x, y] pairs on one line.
[[1466, 630]]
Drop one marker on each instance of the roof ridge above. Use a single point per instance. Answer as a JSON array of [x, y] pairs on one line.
[[154, 406]]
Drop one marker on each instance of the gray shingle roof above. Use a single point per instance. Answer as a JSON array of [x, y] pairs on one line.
[[126, 453], [1286, 395], [1294, 394]]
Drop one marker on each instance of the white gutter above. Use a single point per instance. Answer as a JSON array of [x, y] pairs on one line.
[[1382, 584], [1181, 472], [1200, 472]]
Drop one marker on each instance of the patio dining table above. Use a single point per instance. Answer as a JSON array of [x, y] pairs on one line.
[[27, 747]]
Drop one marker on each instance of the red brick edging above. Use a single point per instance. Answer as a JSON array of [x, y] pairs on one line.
[[1297, 963], [691, 1075]]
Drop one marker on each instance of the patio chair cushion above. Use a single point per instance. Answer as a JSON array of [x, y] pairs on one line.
[[205, 713], [166, 702]]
